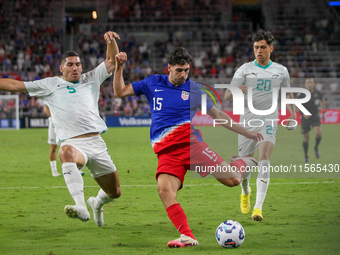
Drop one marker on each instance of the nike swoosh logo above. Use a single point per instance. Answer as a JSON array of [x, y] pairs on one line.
[[156, 90], [252, 74]]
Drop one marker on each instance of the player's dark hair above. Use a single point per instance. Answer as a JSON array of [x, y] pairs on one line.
[[263, 35], [69, 53], [179, 56]]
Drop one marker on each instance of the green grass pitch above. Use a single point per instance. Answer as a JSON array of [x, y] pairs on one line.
[[301, 215]]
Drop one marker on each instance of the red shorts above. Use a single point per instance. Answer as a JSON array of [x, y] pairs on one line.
[[177, 159]]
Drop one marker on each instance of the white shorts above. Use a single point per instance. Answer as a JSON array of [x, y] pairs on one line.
[[96, 154], [248, 146], [52, 136]]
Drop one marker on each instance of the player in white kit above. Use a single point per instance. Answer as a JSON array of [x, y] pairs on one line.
[[73, 102], [263, 78], [52, 141]]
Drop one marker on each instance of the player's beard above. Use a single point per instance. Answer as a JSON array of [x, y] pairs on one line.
[[179, 82]]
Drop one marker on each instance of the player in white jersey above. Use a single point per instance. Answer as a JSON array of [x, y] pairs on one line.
[[73, 102], [52, 141], [263, 79]]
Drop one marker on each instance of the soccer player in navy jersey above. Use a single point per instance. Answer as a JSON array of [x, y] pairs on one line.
[[174, 100]]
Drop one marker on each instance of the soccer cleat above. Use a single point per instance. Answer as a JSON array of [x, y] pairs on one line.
[[97, 213], [55, 174], [317, 153], [306, 159], [234, 158], [82, 173], [77, 212], [183, 241], [250, 161], [245, 203], [257, 215]]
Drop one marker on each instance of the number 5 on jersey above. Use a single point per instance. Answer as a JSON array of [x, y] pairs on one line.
[[71, 90], [157, 103]]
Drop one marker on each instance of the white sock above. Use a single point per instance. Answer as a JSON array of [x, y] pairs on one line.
[[74, 182], [262, 183], [54, 169], [245, 184], [102, 199], [53, 165]]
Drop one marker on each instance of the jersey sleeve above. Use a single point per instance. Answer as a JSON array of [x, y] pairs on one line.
[[98, 75], [39, 88], [286, 78], [141, 87], [239, 78]]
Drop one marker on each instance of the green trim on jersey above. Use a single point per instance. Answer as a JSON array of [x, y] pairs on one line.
[[264, 67]]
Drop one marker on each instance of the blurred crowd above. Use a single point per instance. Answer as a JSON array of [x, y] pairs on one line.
[[164, 11]]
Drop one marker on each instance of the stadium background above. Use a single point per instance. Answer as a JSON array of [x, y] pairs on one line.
[[301, 213], [217, 34]]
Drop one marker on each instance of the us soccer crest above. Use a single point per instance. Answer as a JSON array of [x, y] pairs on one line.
[[185, 95]]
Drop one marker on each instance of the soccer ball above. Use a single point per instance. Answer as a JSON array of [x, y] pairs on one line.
[[230, 234]]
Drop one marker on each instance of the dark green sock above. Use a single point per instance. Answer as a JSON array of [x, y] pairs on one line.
[[317, 141], [305, 148]]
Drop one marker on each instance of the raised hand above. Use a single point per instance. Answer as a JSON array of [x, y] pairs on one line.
[[121, 58], [256, 136], [110, 36]]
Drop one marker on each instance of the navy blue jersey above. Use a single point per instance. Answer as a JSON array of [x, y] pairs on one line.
[[172, 109]]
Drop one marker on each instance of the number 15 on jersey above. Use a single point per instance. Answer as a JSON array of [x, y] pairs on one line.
[[157, 103]]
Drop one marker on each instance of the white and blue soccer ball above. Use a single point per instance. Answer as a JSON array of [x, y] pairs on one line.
[[230, 234]]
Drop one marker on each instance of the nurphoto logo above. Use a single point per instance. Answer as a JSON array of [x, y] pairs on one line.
[[238, 104]]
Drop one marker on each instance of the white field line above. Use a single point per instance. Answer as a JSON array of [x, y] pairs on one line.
[[188, 185]]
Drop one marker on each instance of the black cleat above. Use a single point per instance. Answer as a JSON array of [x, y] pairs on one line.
[[317, 153]]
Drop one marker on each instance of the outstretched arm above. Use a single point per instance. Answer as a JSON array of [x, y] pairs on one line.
[[229, 96], [111, 50], [218, 114], [119, 87], [12, 85]]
